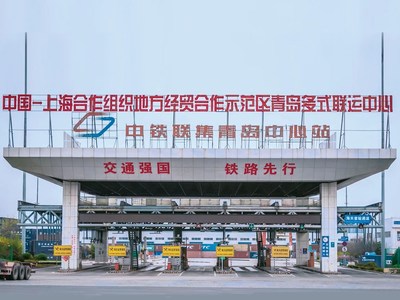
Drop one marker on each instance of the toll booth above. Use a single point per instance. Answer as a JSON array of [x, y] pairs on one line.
[[177, 260], [184, 258], [268, 257], [223, 254], [222, 263]]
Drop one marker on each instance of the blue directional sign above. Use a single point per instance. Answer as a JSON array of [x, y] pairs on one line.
[[325, 246], [344, 238], [357, 219]]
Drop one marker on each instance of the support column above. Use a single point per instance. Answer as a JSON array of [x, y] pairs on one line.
[[100, 246], [70, 230], [302, 242], [23, 238], [328, 242]]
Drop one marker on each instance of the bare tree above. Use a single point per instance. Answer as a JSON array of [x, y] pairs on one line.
[[358, 248]]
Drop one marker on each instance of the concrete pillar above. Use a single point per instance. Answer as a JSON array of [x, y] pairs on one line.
[[23, 238], [70, 230], [328, 242], [100, 246], [302, 243]]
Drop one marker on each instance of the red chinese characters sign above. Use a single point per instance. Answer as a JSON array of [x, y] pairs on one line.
[[199, 103], [231, 168], [253, 169], [131, 168]]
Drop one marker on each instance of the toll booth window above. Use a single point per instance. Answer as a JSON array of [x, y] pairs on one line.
[[208, 239], [398, 235], [159, 238], [218, 239], [170, 239], [196, 239], [232, 239], [244, 239]]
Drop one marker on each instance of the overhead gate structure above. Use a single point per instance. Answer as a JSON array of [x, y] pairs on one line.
[[202, 173]]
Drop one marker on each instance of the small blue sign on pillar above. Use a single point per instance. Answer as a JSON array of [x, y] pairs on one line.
[[325, 246]]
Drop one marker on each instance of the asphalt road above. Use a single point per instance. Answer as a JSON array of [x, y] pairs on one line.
[[202, 282], [154, 292]]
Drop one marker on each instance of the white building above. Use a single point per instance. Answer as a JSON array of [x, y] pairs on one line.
[[392, 233]]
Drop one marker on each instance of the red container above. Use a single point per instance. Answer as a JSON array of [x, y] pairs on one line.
[[158, 248], [194, 254], [241, 254], [208, 254], [253, 248], [241, 247], [193, 247]]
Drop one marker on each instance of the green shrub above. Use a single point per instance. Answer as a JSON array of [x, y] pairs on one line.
[[26, 256], [368, 266], [41, 256], [353, 266]]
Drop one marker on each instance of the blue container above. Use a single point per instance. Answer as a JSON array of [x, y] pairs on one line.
[[45, 247], [253, 254], [209, 247]]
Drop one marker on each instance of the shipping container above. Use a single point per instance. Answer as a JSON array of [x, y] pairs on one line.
[[253, 248], [45, 247], [158, 248], [208, 254], [193, 247], [241, 247], [209, 247], [150, 248], [253, 255], [241, 254], [194, 254]]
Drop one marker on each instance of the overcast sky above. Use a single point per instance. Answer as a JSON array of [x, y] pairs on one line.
[[212, 47]]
